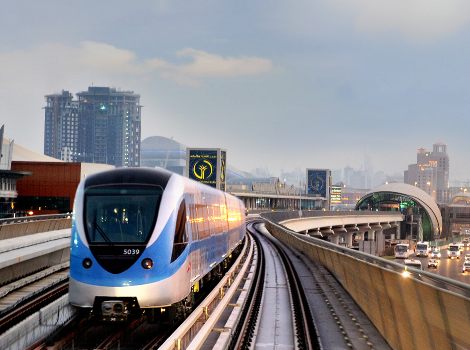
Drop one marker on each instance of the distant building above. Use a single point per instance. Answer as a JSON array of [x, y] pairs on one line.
[[52, 186], [110, 126], [431, 172], [61, 127], [103, 126], [159, 151], [456, 215], [33, 183]]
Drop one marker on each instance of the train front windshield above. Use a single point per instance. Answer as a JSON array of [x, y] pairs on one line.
[[117, 214]]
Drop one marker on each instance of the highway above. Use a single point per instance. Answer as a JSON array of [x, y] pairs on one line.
[[451, 268]]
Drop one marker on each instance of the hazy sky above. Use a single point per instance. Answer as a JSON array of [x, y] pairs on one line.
[[279, 84]]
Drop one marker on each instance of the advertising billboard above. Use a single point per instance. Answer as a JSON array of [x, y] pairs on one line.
[[335, 196], [207, 165], [203, 166], [318, 182]]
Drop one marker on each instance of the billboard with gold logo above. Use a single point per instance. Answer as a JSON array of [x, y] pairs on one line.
[[319, 182], [207, 166]]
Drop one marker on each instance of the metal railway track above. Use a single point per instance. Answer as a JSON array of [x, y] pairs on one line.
[[305, 328], [303, 324], [244, 331], [31, 304], [340, 322]]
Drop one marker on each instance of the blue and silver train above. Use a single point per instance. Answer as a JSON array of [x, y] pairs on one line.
[[145, 238]]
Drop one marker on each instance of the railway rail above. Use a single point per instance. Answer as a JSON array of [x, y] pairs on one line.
[[35, 296], [278, 315], [339, 322]]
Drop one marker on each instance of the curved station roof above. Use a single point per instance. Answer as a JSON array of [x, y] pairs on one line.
[[414, 193]]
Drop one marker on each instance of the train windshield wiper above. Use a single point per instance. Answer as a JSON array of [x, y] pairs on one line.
[[102, 233]]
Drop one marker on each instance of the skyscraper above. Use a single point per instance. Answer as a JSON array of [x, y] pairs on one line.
[[103, 126], [109, 126], [431, 172], [61, 127]]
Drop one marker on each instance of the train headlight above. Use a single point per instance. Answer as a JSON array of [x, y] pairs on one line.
[[87, 263], [147, 263]]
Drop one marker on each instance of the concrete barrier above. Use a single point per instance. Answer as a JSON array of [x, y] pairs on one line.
[[27, 228], [409, 313]]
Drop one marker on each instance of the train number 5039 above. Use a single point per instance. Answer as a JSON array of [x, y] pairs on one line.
[[131, 251]]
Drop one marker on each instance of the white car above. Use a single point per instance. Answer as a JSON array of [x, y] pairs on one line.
[[414, 263], [435, 254], [466, 266], [434, 263]]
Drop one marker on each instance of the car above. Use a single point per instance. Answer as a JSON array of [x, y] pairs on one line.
[[466, 242], [467, 257], [434, 263], [435, 254], [466, 266], [414, 263]]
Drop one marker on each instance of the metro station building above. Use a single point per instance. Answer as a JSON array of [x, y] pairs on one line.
[[423, 219]]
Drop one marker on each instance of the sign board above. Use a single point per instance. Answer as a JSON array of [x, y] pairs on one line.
[[207, 165], [318, 184], [335, 195]]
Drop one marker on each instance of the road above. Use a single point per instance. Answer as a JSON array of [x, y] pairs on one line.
[[451, 268]]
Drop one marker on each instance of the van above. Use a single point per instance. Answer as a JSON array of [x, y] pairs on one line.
[[402, 250], [453, 251], [423, 248]]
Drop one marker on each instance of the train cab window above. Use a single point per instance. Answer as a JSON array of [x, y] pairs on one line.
[[121, 214], [181, 236]]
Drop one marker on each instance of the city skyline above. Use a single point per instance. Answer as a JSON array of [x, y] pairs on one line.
[[315, 85]]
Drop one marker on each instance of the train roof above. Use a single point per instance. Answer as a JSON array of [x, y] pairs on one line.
[[156, 176]]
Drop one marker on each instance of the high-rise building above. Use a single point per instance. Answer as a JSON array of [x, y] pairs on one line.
[[431, 172], [103, 126], [61, 127], [109, 126]]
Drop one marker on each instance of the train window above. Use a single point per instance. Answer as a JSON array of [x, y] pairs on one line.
[[181, 237], [121, 214]]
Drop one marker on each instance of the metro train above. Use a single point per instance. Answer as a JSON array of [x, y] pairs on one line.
[[146, 239]]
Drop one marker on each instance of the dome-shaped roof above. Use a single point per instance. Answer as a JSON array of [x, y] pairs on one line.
[[424, 199], [161, 143]]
